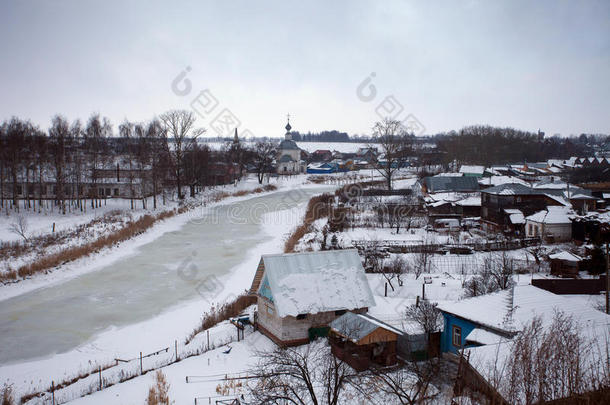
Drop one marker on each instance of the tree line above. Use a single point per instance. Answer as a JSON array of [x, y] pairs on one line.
[[487, 145], [73, 162], [323, 136]]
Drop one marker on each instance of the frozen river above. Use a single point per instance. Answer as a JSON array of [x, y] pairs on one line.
[[173, 268]]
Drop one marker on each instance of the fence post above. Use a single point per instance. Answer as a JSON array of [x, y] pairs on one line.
[[141, 369], [176, 348], [100, 378], [53, 391], [208, 333]]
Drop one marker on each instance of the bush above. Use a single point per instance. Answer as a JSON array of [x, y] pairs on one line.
[[317, 207], [222, 313], [7, 395], [159, 393]]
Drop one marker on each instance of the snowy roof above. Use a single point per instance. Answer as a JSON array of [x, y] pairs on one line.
[[470, 202], [357, 326], [497, 180], [472, 169], [515, 215], [510, 189], [449, 174], [287, 144], [552, 215], [312, 282], [493, 310], [581, 197], [567, 256], [484, 337]]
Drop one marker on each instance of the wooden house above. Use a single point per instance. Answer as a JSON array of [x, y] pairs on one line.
[[360, 339], [300, 294]]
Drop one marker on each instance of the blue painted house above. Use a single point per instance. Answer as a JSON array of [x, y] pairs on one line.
[[498, 317]]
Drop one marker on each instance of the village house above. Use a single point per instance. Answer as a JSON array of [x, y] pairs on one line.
[[497, 317], [552, 225], [480, 331], [496, 200], [321, 155], [300, 294]]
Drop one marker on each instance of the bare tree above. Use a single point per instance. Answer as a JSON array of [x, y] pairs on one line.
[[16, 132], [553, 361], [158, 149], [95, 144], [422, 260], [391, 136], [426, 315], [409, 385], [179, 126], [20, 227], [264, 152], [302, 376], [59, 134]]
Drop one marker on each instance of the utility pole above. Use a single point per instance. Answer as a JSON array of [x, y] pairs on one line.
[[607, 279]]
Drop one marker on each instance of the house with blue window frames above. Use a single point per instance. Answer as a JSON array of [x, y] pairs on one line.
[[496, 318], [299, 294]]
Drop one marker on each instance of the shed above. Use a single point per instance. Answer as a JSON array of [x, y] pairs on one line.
[[565, 264], [360, 339]]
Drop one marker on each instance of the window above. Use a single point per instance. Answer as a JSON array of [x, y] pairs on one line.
[[518, 199], [270, 310], [101, 192], [340, 312], [301, 316], [116, 192], [456, 336], [108, 192], [19, 190]]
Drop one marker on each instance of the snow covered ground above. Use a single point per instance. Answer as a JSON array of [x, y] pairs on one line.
[[173, 322]]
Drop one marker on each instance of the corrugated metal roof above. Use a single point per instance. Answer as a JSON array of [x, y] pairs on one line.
[[449, 183], [312, 282]]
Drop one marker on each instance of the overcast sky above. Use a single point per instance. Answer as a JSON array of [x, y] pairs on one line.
[[529, 65]]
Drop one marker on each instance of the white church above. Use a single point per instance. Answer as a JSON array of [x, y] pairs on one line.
[[289, 155]]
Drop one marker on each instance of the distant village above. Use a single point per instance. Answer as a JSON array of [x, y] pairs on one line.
[[498, 273]]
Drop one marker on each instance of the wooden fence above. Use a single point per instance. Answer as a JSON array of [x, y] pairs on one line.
[[406, 247]]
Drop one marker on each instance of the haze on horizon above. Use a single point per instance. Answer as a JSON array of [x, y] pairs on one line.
[[527, 65]]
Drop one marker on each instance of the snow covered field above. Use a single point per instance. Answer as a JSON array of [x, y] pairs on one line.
[[344, 147]]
